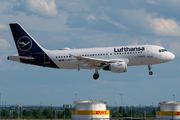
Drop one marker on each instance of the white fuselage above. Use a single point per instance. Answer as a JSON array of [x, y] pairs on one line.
[[151, 54]]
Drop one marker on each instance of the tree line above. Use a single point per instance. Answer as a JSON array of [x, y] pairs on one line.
[[36, 114], [132, 112], [49, 113]]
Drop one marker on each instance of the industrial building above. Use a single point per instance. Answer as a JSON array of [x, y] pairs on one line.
[[169, 110], [89, 110]]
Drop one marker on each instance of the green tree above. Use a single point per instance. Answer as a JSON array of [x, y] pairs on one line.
[[15, 114], [133, 113], [36, 113], [5, 114], [126, 114], [26, 114], [153, 112], [116, 114], [121, 110], [67, 113], [47, 113], [59, 114]]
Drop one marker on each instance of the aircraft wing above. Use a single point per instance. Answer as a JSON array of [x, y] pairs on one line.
[[96, 62], [92, 61]]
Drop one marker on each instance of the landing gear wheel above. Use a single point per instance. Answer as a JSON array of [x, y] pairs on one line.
[[149, 68], [150, 73], [95, 76]]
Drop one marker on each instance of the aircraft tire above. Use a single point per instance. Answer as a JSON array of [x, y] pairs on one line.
[[95, 76], [150, 73]]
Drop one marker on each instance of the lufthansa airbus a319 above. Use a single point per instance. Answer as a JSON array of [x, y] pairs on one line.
[[114, 59]]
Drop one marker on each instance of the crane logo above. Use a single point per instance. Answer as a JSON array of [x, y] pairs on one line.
[[24, 43]]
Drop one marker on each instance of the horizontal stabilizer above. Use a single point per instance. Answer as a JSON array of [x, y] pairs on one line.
[[16, 58]]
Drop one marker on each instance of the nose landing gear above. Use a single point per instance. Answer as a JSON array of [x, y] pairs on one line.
[[149, 68]]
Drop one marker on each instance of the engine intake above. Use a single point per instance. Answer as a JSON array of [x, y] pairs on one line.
[[117, 67]]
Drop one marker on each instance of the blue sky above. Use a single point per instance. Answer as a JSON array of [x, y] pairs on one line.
[[84, 24]]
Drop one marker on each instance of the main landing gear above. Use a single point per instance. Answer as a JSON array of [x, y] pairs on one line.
[[149, 68], [96, 75]]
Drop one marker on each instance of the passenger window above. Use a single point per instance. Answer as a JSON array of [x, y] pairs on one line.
[[103, 54], [114, 53], [110, 53], [82, 55], [95, 54], [117, 53], [85, 55], [64, 56]]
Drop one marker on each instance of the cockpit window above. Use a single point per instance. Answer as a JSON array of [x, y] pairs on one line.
[[162, 50]]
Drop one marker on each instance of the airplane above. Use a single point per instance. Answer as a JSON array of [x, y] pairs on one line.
[[114, 59]]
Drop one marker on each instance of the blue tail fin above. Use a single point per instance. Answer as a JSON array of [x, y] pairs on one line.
[[24, 42]]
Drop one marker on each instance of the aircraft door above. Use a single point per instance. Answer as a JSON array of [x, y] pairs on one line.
[[46, 59], [149, 52]]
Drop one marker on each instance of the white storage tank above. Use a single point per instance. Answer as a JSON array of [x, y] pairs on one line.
[[89, 110], [169, 110]]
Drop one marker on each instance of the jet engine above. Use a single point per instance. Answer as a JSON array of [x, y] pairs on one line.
[[117, 67]]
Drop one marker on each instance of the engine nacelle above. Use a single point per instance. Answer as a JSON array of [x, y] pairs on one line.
[[117, 67]]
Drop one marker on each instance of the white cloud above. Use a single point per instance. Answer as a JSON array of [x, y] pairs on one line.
[[165, 27], [117, 24], [35, 22], [4, 44], [3, 27], [151, 1], [91, 17], [8, 66], [43, 7]]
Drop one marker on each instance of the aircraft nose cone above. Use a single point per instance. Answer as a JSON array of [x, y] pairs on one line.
[[172, 56], [169, 56]]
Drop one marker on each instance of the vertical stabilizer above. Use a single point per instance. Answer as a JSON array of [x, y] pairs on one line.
[[25, 44]]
